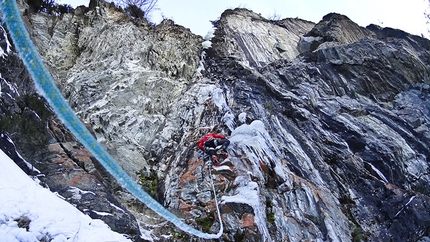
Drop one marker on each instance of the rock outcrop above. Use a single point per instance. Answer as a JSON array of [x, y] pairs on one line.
[[41, 146], [328, 123], [255, 41]]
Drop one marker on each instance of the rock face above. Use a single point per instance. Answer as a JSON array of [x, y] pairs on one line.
[[333, 29], [328, 122], [255, 41], [42, 147]]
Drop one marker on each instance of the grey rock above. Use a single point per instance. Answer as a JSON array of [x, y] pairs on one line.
[[259, 43], [328, 122]]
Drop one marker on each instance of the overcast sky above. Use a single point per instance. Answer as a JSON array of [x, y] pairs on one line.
[[196, 14]]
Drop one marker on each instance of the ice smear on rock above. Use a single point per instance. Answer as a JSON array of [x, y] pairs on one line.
[[253, 146], [248, 193], [219, 100], [250, 147], [258, 147]]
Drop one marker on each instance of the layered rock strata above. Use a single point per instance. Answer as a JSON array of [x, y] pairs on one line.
[[328, 121]]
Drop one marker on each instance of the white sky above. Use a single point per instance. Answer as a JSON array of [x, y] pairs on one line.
[[196, 14]]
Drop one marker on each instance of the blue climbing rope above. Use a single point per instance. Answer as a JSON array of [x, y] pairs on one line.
[[46, 86]]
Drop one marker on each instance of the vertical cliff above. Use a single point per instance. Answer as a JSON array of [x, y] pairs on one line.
[[328, 122], [347, 117]]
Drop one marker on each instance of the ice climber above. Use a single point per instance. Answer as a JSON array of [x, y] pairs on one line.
[[212, 144]]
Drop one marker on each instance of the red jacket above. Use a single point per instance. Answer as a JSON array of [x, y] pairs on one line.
[[207, 137]]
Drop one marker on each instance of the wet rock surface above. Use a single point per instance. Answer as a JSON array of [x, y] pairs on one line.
[[328, 123]]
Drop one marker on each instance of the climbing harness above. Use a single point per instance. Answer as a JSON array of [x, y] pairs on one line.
[[45, 84]]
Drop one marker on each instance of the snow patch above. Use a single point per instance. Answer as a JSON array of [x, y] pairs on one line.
[[48, 216], [206, 44], [77, 193], [242, 117], [221, 168], [210, 34], [99, 213], [117, 208]]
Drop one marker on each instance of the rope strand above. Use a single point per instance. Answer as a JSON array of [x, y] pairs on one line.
[[215, 195], [46, 86]]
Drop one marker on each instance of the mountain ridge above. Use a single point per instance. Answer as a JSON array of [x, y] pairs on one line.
[[344, 149]]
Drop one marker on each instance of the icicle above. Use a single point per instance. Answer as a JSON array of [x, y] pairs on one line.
[[46, 86], [201, 66], [206, 45], [228, 119]]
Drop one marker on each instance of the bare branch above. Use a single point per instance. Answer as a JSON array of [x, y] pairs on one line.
[[147, 6]]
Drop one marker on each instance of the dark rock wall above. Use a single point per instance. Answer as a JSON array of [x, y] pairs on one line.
[[357, 109], [343, 155]]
